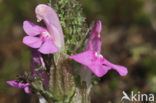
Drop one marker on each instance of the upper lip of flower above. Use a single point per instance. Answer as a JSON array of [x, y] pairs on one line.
[[50, 18]]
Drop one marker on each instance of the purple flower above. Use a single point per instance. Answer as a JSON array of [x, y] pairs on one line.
[[46, 40], [92, 57], [17, 84], [37, 61]]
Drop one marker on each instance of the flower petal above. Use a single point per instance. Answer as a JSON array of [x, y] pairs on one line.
[[49, 16], [99, 70], [120, 69], [86, 58], [48, 47], [27, 90], [32, 29], [31, 41], [17, 85]]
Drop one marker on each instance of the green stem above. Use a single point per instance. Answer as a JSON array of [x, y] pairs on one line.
[[62, 82]]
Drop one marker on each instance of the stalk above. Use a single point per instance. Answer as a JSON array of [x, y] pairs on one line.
[[65, 82]]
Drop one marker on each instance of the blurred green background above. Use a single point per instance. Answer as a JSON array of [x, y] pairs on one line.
[[129, 33]]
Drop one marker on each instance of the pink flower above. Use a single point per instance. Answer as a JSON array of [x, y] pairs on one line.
[[92, 57], [46, 40], [17, 84]]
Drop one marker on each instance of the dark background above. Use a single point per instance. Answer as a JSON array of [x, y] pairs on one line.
[[129, 33]]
